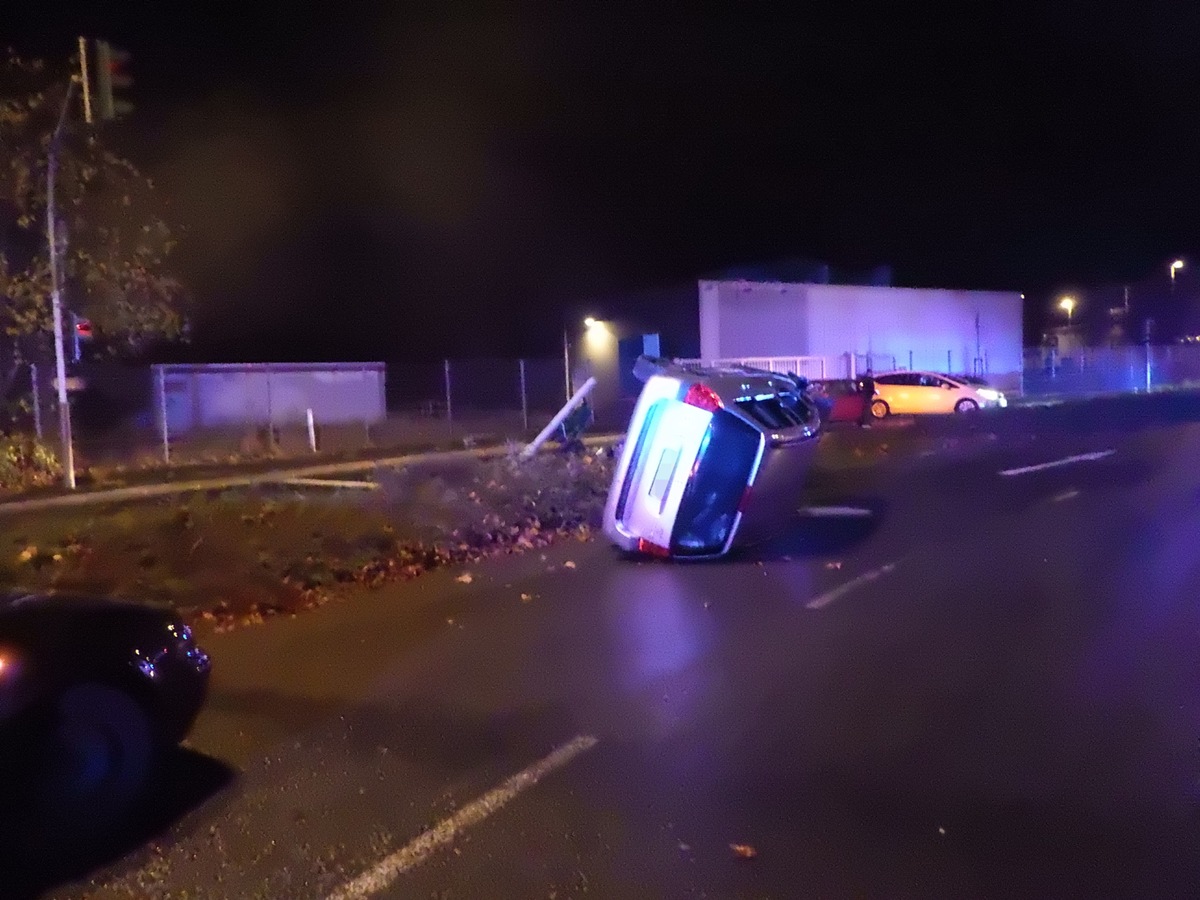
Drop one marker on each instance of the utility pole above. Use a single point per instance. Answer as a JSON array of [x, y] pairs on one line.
[[85, 80], [567, 360], [60, 366]]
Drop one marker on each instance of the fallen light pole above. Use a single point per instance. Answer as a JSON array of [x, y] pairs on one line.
[[580, 395]]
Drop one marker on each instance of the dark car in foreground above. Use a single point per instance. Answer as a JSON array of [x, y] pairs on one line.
[[92, 692], [713, 456]]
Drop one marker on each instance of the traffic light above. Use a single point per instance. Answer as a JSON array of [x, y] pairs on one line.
[[112, 75]]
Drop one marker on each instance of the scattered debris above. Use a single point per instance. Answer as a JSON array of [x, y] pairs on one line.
[[465, 578]]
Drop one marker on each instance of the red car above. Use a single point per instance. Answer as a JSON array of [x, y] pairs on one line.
[[840, 400]]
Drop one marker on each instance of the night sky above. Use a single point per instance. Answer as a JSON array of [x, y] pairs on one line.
[[362, 183]]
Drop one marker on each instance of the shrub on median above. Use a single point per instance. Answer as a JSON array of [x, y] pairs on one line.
[[25, 463]]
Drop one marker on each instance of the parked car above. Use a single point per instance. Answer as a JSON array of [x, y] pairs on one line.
[[713, 456], [92, 692], [840, 399], [906, 393]]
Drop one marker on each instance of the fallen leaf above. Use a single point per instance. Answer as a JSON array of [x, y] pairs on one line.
[[833, 565], [568, 565], [685, 848], [465, 578], [27, 554], [743, 851], [525, 598]]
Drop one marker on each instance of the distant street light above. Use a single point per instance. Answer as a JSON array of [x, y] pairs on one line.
[[1175, 267], [1067, 305]]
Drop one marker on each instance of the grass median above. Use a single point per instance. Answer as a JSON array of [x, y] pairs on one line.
[[240, 555]]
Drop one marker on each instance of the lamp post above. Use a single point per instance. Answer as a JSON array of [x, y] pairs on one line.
[[1067, 305], [1175, 267]]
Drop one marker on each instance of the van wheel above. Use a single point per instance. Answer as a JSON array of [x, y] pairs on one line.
[[880, 409], [966, 406]]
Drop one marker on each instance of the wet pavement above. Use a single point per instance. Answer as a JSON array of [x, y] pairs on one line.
[[987, 687]]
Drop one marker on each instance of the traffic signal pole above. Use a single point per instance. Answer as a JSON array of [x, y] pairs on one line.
[[60, 364]]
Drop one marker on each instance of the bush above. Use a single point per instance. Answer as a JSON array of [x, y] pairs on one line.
[[26, 463]]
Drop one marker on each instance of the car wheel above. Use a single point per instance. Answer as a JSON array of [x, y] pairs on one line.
[[966, 406], [880, 409], [98, 755]]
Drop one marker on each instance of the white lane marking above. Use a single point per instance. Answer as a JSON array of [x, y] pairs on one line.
[[1065, 495], [825, 599], [1082, 457], [387, 870], [835, 511]]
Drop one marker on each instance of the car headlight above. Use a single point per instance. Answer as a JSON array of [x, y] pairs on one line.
[[989, 394]]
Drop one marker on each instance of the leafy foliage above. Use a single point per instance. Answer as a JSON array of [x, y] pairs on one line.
[[26, 463], [115, 241]]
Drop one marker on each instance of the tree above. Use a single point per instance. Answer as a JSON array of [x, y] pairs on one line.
[[115, 241]]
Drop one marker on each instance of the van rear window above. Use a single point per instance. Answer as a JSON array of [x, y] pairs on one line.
[[709, 506], [778, 411]]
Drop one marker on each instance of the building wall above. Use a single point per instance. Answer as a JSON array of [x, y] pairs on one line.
[[203, 396], [918, 327]]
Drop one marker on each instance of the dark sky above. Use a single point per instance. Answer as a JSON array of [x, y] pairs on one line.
[[365, 183]]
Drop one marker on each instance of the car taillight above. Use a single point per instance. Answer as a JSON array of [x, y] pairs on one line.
[[651, 549], [703, 397]]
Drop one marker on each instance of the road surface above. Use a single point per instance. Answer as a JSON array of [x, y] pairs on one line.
[[980, 677]]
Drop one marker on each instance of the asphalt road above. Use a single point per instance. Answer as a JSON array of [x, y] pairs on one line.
[[989, 686]]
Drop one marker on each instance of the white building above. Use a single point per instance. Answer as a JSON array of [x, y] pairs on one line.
[[841, 330]]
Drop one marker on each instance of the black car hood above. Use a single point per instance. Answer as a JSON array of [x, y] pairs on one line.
[[27, 604]]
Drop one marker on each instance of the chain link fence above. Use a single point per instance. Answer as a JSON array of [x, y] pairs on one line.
[[444, 404], [1092, 370]]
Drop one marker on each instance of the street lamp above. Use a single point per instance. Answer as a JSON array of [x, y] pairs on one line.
[[590, 323], [1067, 305], [1175, 267]]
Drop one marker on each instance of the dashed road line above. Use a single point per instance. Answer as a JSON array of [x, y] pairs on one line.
[[380, 876], [820, 602], [836, 512], [1065, 495], [1066, 461]]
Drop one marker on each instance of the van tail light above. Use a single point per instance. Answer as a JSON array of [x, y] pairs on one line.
[[651, 549], [703, 397], [745, 501]]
